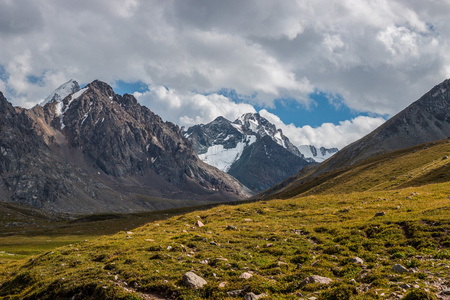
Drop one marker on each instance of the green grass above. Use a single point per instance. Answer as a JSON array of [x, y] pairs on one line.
[[314, 235]]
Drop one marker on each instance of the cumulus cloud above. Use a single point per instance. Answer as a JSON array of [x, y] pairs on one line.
[[188, 109], [327, 135], [379, 56]]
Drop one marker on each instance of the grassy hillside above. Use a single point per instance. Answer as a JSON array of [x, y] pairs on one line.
[[415, 166], [278, 242]]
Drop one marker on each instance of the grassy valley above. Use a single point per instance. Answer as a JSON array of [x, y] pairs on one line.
[[390, 210]]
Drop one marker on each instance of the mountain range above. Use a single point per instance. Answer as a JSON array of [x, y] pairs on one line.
[[252, 150], [91, 150]]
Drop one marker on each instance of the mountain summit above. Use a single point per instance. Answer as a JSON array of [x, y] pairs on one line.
[[91, 150], [251, 149]]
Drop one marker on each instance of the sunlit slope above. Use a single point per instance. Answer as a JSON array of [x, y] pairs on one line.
[[279, 242], [415, 166]]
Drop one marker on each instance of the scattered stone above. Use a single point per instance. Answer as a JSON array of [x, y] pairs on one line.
[[234, 293], [204, 262], [380, 214], [252, 296], [231, 227], [193, 281], [445, 157], [222, 284], [399, 268], [346, 210], [245, 275], [315, 279], [169, 247], [213, 243], [129, 232], [313, 264], [199, 223], [405, 286], [248, 220], [282, 264], [357, 260]]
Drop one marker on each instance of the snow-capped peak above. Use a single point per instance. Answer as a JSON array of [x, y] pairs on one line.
[[62, 92]]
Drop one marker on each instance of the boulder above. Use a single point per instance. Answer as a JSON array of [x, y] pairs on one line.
[[193, 281], [399, 268], [245, 275], [356, 260], [315, 279]]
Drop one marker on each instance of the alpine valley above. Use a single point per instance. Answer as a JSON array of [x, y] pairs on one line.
[[370, 222]]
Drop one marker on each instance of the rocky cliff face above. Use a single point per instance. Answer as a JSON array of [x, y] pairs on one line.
[[96, 151], [251, 149]]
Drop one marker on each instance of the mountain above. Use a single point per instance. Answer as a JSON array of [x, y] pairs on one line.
[[62, 92], [317, 154], [424, 121], [96, 151], [251, 149]]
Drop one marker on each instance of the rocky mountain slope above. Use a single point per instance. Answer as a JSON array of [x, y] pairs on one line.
[[424, 121], [251, 149], [96, 151]]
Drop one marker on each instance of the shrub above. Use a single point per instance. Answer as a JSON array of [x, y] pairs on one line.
[[342, 292], [418, 294]]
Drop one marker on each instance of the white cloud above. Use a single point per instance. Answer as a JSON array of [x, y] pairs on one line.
[[327, 135], [378, 55], [192, 108]]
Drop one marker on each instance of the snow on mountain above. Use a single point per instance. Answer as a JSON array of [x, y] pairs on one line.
[[254, 124], [62, 92], [221, 142], [223, 158], [317, 154]]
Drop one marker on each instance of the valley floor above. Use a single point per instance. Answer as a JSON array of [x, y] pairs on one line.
[[267, 247]]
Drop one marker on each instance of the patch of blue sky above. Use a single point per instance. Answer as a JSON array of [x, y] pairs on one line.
[[123, 87], [323, 109], [3, 74]]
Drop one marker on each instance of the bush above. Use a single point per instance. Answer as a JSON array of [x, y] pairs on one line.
[[418, 294], [342, 292]]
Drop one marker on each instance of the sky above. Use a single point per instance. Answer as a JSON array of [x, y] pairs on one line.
[[326, 72]]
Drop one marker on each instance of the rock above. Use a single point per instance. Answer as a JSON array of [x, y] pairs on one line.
[[315, 279], [248, 220], [199, 223], [222, 284], [231, 227], [193, 281], [380, 214], [282, 264], [252, 296], [204, 262], [356, 260], [445, 292], [405, 286], [235, 293], [399, 268], [245, 275]]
